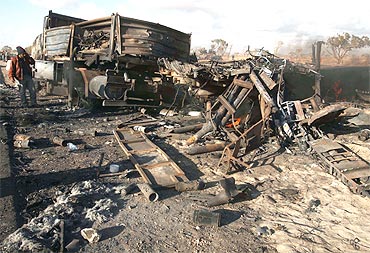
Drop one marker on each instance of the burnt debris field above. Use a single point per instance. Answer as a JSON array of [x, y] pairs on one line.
[[138, 148]]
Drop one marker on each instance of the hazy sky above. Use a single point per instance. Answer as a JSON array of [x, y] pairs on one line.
[[241, 23]]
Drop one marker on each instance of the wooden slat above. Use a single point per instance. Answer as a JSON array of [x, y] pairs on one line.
[[226, 104], [357, 173], [298, 107], [133, 140], [161, 164], [244, 84], [261, 89], [340, 159], [144, 151], [267, 80]]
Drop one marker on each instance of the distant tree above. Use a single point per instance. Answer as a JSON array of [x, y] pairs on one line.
[[341, 44], [6, 49], [218, 48], [201, 53]]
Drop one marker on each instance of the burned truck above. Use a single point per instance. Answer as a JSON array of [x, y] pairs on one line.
[[112, 59]]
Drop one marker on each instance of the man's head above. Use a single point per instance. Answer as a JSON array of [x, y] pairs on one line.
[[21, 52]]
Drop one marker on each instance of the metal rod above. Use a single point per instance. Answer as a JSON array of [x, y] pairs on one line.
[[100, 164], [59, 141], [206, 148], [61, 225], [187, 128], [70, 78]]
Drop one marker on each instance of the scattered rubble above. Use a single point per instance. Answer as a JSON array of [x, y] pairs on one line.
[[364, 134], [86, 203], [256, 167], [90, 234]]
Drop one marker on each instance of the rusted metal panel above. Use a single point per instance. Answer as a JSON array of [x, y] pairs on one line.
[[56, 20], [57, 41], [103, 21], [154, 165], [327, 114], [267, 80], [128, 36], [261, 89], [142, 37], [151, 39], [343, 164]]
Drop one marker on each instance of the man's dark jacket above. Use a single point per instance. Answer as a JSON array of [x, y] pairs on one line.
[[16, 71]]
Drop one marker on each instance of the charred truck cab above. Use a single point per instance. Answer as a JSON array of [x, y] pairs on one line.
[[112, 59]]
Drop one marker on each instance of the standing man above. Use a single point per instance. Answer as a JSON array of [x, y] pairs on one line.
[[21, 70]]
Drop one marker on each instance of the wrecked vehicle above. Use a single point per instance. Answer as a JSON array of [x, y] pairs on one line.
[[121, 61], [111, 59], [259, 104]]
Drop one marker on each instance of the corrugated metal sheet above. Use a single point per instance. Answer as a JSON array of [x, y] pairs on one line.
[[57, 40]]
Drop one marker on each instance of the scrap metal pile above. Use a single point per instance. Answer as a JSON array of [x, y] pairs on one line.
[[254, 107], [93, 39], [208, 78]]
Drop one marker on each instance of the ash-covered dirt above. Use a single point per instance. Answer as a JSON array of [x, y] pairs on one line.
[[289, 203]]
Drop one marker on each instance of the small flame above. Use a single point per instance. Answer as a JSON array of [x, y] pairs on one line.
[[236, 123]]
